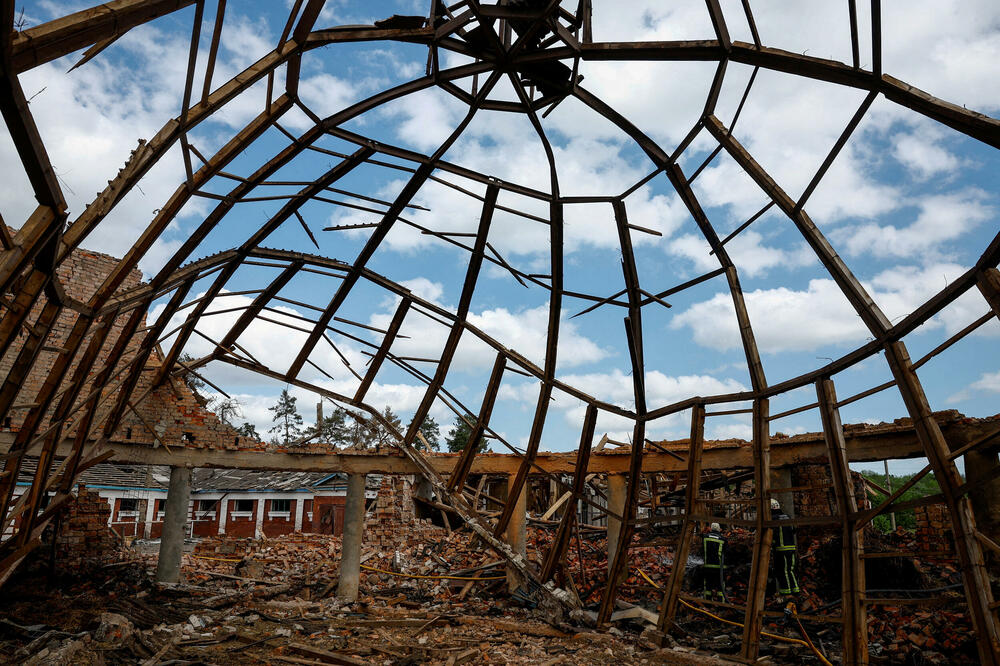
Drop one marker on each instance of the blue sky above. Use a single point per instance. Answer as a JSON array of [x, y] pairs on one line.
[[909, 205]]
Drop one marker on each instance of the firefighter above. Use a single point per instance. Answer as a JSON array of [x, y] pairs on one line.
[[712, 571], [784, 553]]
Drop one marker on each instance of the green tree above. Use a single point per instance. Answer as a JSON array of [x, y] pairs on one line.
[[460, 433], [380, 434], [194, 382], [249, 430], [286, 418], [334, 429], [431, 432], [905, 519], [370, 433], [227, 409]]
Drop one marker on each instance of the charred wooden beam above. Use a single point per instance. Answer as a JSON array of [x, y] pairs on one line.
[[54, 39]]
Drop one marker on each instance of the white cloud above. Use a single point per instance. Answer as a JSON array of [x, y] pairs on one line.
[[521, 330], [273, 344], [922, 153], [988, 382], [941, 218], [747, 252], [615, 387], [788, 320]]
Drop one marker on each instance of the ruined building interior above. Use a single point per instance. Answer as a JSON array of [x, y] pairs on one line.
[[584, 182]]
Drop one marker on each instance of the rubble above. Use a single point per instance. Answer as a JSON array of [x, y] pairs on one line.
[[434, 597]]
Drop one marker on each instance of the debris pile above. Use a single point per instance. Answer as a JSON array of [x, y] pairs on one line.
[[431, 594]]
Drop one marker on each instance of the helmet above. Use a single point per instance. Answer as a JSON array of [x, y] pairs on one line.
[[715, 527], [774, 504]]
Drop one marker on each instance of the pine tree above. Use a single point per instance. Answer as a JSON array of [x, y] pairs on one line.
[[334, 428], [286, 418], [227, 409], [379, 434], [460, 433], [249, 430], [431, 432], [370, 433]]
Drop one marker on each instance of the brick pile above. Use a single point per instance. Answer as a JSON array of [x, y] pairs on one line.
[[84, 541]]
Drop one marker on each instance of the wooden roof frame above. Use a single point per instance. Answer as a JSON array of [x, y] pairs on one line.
[[30, 257]]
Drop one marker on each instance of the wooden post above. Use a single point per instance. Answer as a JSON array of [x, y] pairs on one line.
[[967, 547], [888, 486], [516, 535], [762, 538], [855, 625], [668, 609], [561, 539], [616, 505], [988, 281]]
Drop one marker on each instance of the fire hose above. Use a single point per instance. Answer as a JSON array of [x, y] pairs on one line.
[[785, 639]]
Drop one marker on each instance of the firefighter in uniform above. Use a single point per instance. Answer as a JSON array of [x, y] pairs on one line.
[[784, 552], [712, 571]]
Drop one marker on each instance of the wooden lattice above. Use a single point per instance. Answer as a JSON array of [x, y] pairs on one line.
[[538, 46]]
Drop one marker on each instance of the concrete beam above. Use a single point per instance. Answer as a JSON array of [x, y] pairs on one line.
[[863, 445]]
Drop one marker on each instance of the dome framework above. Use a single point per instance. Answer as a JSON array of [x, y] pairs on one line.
[[538, 48]]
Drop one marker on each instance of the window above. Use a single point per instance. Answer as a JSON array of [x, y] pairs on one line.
[[130, 504], [281, 506], [207, 506], [243, 506]]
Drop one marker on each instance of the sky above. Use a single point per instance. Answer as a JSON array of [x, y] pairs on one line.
[[908, 204]]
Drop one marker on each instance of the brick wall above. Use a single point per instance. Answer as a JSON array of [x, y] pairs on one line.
[[392, 521], [84, 541], [934, 534], [820, 498], [170, 414]]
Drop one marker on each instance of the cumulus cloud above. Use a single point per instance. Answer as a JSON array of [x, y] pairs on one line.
[[988, 382], [941, 218], [818, 316], [922, 153], [747, 251], [615, 387], [521, 330]]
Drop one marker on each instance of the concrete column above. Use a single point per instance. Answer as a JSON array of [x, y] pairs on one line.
[[354, 527], [223, 514], [175, 516], [517, 535], [300, 505], [616, 504], [258, 530], [150, 515], [781, 477]]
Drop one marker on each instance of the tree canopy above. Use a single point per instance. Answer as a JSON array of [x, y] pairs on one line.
[[286, 418], [460, 433], [431, 432]]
